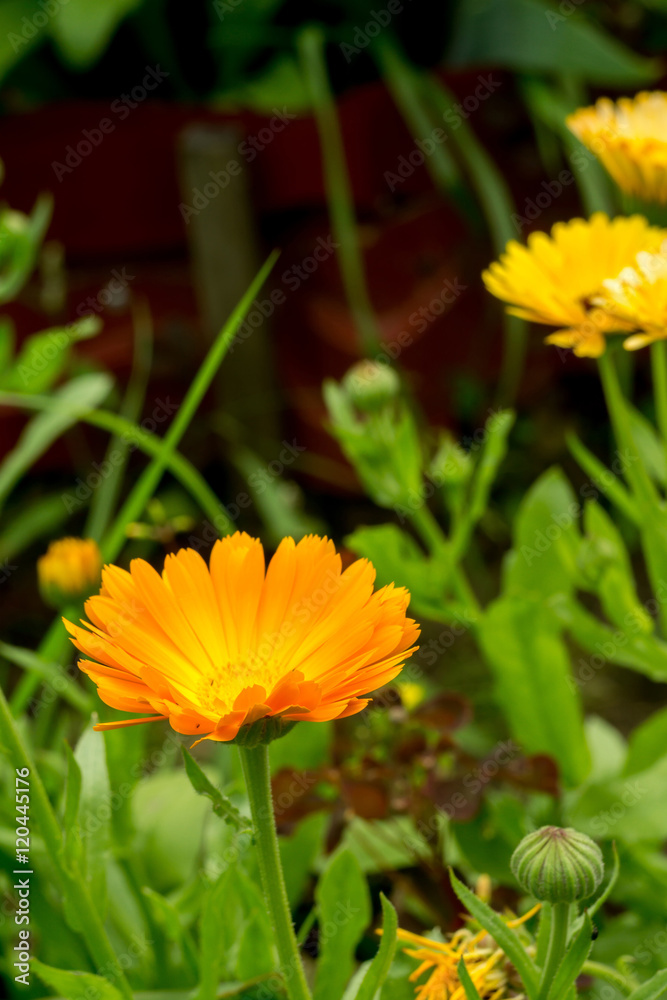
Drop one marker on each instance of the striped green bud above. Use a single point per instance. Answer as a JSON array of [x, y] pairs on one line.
[[558, 865]]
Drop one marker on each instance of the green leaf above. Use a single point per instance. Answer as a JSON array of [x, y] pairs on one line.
[[575, 957], [299, 853], [45, 355], [467, 983], [83, 29], [381, 964], [496, 432], [603, 480], [72, 800], [222, 806], [611, 572], [649, 446], [629, 809], [75, 985], [626, 647], [95, 807], [69, 401], [654, 989], [521, 641], [647, 743], [211, 956], [500, 932], [543, 40], [547, 542], [344, 912]]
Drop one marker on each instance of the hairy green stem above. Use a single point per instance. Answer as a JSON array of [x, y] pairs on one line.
[[560, 916], [255, 762]]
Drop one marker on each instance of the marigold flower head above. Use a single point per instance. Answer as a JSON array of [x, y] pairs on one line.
[[487, 964], [629, 137], [554, 279], [638, 297], [70, 570], [234, 651]]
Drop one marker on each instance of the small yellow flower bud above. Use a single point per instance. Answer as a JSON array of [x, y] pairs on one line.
[[70, 571]]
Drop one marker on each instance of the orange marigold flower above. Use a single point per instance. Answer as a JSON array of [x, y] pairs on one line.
[[629, 137], [216, 649], [554, 279]]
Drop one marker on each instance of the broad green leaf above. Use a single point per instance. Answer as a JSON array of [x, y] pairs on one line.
[[21, 237], [299, 853], [500, 932], [222, 806], [611, 572], [607, 746], [533, 682], [654, 989], [547, 541], [628, 648], [71, 824], [647, 743], [169, 821], [75, 397], [575, 957], [630, 809], [544, 39], [379, 967], [83, 28], [44, 356], [211, 956], [95, 808], [75, 985], [344, 913]]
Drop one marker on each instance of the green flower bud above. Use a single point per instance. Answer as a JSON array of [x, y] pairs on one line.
[[370, 386], [558, 865]]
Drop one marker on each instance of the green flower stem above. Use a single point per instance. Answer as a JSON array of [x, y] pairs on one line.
[[71, 880], [338, 189], [439, 547], [636, 473], [659, 372], [560, 916], [255, 762]]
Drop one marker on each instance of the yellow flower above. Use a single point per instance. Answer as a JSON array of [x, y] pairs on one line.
[[487, 964], [630, 138], [70, 570], [218, 648], [638, 296], [553, 280]]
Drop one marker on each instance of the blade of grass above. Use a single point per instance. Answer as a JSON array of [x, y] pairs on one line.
[[338, 188]]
